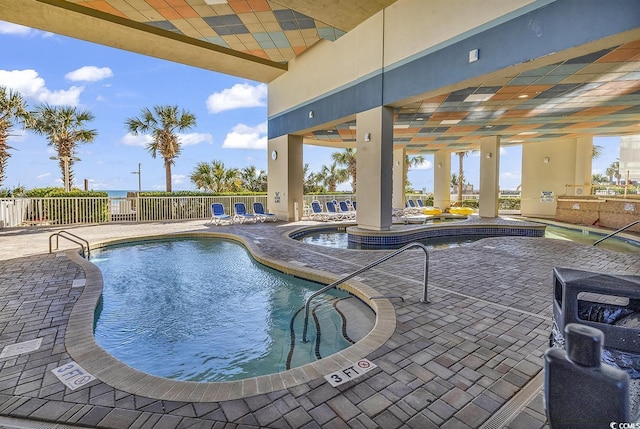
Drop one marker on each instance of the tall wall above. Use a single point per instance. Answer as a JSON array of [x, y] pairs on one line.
[[362, 53], [551, 169]]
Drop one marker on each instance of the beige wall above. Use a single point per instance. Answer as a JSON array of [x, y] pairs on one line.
[[416, 25], [374, 168], [328, 66], [399, 173], [285, 178], [489, 176], [569, 162], [442, 179]]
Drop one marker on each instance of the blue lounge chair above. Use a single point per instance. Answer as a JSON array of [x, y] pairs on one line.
[[346, 210], [332, 211], [218, 216], [241, 214], [318, 214], [258, 210]]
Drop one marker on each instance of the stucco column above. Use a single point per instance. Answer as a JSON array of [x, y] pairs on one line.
[[285, 177], [552, 168], [442, 179], [399, 173], [374, 145], [489, 176]]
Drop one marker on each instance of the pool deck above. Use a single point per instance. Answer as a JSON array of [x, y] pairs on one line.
[[470, 358]]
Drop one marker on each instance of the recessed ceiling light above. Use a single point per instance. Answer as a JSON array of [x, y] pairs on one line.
[[212, 2], [449, 121], [516, 141], [527, 133], [419, 119], [401, 126], [523, 96], [329, 131], [478, 97], [488, 126]]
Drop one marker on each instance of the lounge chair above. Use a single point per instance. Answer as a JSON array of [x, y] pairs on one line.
[[420, 203], [333, 212], [318, 214], [258, 210], [241, 214], [346, 210], [411, 208], [218, 216]]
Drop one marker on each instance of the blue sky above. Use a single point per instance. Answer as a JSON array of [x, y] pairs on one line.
[[115, 85]]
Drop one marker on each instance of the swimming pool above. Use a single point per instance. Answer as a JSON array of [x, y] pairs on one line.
[[204, 310], [337, 238]]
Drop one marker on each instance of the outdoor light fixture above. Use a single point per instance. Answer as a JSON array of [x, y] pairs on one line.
[[488, 155], [367, 137], [310, 114], [139, 178], [546, 159], [439, 165]]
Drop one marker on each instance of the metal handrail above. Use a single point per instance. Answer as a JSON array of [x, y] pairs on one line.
[[361, 270], [615, 232], [71, 237]]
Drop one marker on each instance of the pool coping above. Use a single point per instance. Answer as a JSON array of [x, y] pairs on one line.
[[84, 350]]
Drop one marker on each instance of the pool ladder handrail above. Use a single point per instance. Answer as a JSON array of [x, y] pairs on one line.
[[360, 271], [616, 232], [71, 237]]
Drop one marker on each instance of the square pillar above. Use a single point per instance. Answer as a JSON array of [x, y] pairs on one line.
[[442, 179], [489, 176], [399, 173], [374, 145], [285, 177]]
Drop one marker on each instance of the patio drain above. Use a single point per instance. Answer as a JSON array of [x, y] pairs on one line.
[[20, 348], [501, 418]]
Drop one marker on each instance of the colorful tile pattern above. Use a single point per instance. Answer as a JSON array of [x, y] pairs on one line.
[[593, 95], [256, 27]]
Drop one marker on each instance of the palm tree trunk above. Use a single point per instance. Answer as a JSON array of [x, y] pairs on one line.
[[167, 169]]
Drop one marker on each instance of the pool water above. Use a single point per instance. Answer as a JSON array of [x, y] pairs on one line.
[[338, 239], [204, 310]]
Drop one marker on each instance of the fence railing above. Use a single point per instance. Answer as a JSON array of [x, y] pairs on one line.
[[15, 212]]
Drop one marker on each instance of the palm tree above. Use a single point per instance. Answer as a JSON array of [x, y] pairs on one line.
[[13, 110], [253, 180], [461, 177], [332, 176], [163, 124], [597, 151], [63, 127], [215, 177], [311, 180], [347, 159], [412, 161], [614, 171]]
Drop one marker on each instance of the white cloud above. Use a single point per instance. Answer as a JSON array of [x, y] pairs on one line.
[[30, 85], [195, 138], [15, 29], [178, 179], [511, 175], [89, 74], [426, 165], [238, 96], [245, 137], [42, 176], [185, 139], [139, 140]]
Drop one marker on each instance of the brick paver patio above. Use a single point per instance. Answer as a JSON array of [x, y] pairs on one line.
[[455, 362]]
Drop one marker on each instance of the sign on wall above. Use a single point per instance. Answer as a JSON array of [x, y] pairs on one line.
[[547, 197]]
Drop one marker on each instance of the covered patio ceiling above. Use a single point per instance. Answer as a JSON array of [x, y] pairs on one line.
[[594, 94], [591, 91]]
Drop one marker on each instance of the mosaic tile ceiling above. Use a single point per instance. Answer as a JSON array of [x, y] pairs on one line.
[[260, 28], [596, 94]]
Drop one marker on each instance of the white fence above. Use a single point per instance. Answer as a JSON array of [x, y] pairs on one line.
[[19, 212]]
